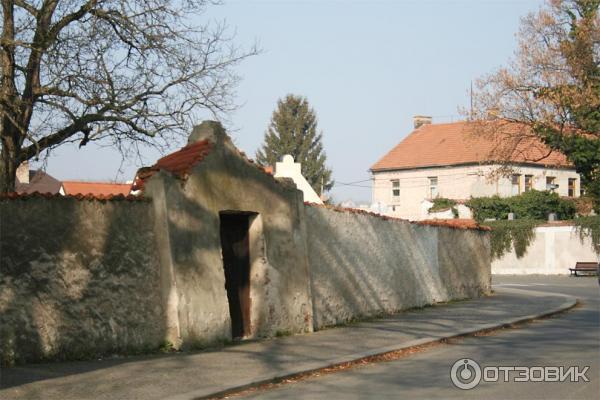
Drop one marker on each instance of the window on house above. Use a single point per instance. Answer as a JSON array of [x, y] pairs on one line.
[[572, 184], [528, 182], [433, 187], [515, 184], [395, 189], [551, 183]]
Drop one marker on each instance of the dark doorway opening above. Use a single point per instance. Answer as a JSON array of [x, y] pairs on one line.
[[235, 245]]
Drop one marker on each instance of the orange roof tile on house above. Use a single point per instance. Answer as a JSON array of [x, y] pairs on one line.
[[460, 143], [179, 163], [96, 188]]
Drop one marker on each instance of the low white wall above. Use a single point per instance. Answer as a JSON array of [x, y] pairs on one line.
[[362, 265], [464, 212], [553, 251]]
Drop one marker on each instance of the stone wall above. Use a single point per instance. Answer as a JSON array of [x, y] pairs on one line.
[[78, 278], [81, 277], [553, 250], [363, 265]]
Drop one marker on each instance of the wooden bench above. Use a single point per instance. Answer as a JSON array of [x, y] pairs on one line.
[[588, 266]]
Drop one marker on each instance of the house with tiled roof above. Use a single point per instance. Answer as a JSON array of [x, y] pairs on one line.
[[35, 180], [96, 188], [461, 160], [30, 181]]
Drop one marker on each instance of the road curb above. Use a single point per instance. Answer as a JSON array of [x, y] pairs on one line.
[[199, 394]]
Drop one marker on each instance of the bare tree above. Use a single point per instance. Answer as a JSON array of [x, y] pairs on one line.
[[123, 72], [551, 89]]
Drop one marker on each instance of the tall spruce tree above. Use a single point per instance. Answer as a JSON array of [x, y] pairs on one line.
[[293, 130]]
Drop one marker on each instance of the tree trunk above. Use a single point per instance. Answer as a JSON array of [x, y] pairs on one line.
[[8, 166]]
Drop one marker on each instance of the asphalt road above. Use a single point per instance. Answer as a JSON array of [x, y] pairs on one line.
[[569, 339]]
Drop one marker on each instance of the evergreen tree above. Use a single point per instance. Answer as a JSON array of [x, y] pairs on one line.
[[293, 130]]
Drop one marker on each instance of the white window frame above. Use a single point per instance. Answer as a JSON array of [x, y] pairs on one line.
[[433, 187], [395, 188], [574, 187], [527, 188], [517, 184], [550, 181]]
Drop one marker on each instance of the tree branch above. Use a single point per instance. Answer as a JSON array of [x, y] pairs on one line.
[[27, 7]]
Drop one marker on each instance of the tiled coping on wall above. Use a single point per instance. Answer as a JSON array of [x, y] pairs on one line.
[[88, 197], [447, 223]]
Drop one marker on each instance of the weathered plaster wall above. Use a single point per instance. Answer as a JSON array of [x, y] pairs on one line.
[[82, 277], [464, 262], [553, 251], [78, 278], [225, 181], [362, 265]]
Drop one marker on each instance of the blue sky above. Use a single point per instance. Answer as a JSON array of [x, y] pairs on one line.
[[366, 67]]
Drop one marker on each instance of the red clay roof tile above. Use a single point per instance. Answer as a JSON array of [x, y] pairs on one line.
[[468, 142], [179, 163], [96, 188], [89, 197]]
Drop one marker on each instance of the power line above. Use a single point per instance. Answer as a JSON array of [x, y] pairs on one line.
[[352, 183], [345, 184], [378, 182]]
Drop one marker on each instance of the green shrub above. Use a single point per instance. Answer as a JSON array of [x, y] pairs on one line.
[[532, 204], [483, 208], [589, 227], [506, 235], [443, 204], [537, 205]]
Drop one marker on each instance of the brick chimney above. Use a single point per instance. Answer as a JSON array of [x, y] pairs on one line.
[[23, 172], [419, 120]]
